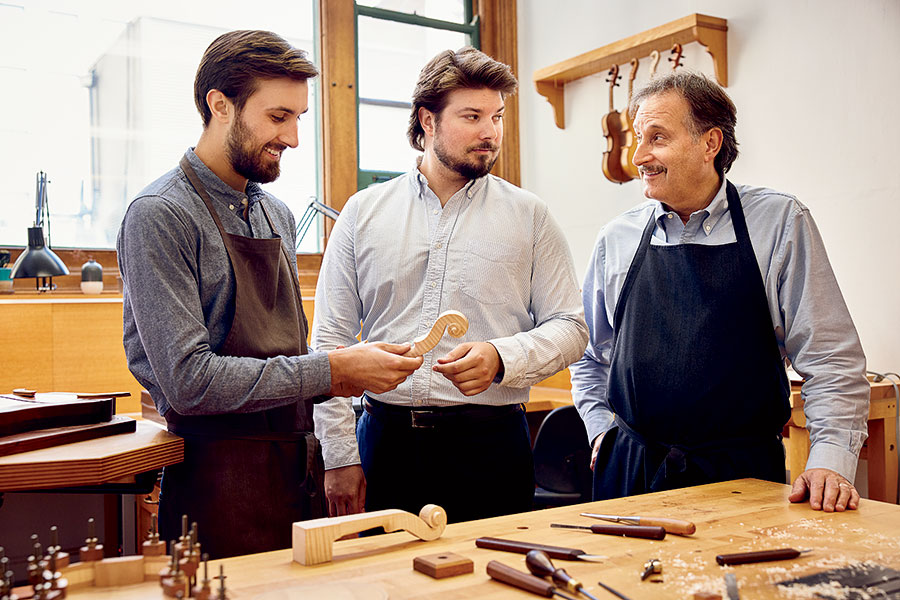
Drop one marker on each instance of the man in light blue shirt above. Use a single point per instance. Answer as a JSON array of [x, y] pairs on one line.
[[447, 236], [694, 300]]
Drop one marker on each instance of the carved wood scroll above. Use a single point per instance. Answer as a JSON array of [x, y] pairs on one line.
[[455, 323], [313, 540]]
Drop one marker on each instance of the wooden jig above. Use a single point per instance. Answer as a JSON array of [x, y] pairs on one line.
[[455, 323], [313, 540]]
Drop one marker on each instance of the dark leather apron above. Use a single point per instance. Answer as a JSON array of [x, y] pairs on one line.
[[247, 476], [697, 382]]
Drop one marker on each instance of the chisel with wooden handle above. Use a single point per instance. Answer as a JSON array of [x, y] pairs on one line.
[[677, 526], [638, 531], [524, 581], [492, 543], [742, 558]]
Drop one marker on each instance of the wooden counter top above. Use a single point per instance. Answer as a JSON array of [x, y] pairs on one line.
[[730, 517]]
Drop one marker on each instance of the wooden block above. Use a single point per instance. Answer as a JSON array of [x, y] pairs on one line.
[[121, 570], [154, 564], [445, 564]]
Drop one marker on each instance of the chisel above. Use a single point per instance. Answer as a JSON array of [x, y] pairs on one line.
[[638, 531], [677, 526], [524, 581], [492, 543]]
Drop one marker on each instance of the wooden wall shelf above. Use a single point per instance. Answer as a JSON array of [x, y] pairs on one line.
[[711, 32]]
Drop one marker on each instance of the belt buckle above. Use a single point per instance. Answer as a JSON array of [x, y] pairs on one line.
[[415, 415]]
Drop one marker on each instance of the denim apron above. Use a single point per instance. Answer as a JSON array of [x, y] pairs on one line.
[[697, 382], [247, 476]]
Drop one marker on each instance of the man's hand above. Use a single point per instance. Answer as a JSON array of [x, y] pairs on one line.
[[471, 367], [377, 367], [345, 488], [596, 449], [826, 490]]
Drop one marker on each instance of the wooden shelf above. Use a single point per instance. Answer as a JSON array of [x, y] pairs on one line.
[[711, 32]]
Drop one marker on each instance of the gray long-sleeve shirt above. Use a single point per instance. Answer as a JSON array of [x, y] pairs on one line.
[[179, 299], [813, 327]]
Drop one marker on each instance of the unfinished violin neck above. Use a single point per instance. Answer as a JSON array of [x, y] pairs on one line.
[[453, 321], [313, 540]]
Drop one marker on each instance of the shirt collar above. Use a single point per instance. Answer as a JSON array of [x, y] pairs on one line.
[[715, 210], [420, 183], [218, 190]]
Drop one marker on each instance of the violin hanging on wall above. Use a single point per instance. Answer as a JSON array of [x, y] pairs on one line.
[[628, 127], [612, 129]]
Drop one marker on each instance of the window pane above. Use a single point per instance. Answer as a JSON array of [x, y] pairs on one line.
[[106, 105], [382, 139], [445, 10], [392, 54]]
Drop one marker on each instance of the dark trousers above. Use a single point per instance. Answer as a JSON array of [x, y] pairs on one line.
[[473, 469]]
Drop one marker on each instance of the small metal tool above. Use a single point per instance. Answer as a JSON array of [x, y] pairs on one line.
[[651, 567], [678, 526], [638, 531], [612, 591], [540, 565], [731, 587]]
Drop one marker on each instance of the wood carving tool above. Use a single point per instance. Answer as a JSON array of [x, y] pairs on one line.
[[612, 591], [731, 587], [677, 526], [540, 565], [312, 540], [637, 531], [741, 558], [510, 576], [492, 543]]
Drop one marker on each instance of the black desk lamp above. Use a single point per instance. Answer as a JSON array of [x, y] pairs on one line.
[[309, 214], [38, 260]]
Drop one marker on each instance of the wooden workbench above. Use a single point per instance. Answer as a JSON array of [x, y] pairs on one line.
[[730, 517]]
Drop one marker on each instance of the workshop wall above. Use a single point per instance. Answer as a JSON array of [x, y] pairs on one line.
[[814, 83]]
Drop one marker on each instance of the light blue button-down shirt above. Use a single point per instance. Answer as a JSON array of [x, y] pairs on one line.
[[812, 324], [396, 260]]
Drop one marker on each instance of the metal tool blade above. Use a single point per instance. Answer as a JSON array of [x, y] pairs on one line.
[[731, 587]]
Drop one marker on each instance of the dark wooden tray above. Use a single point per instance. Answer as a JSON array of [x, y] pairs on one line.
[[20, 415], [46, 438]]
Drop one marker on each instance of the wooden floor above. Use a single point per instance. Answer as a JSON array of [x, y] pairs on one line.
[[730, 517]]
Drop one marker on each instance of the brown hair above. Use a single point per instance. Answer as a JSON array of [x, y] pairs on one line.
[[709, 106], [236, 60], [467, 68]]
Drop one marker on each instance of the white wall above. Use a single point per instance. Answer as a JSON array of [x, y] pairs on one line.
[[813, 81]]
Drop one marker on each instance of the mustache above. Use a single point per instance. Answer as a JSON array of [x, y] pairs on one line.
[[485, 146]]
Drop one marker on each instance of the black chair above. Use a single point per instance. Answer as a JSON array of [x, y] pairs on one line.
[[562, 458]]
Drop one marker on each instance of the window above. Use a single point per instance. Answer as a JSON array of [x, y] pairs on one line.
[[99, 94], [395, 38]]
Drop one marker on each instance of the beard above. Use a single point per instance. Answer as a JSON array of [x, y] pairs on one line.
[[248, 161], [471, 169]]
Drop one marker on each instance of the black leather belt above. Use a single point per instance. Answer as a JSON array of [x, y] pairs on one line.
[[430, 417]]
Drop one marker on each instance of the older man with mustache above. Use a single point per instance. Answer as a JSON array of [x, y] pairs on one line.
[[694, 300]]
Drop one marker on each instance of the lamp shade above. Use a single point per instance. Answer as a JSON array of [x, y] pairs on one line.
[[37, 260]]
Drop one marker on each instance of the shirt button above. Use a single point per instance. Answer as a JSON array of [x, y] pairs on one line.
[[438, 245], [435, 211], [231, 206], [708, 227], [669, 216], [433, 285]]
